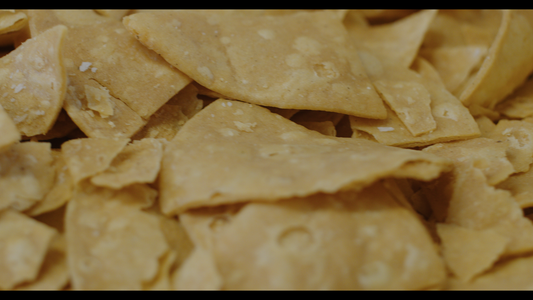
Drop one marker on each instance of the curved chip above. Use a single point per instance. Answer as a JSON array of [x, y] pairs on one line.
[[33, 93], [233, 151], [306, 61]]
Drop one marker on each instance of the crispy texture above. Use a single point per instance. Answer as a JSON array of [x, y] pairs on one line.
[[296, 71], [233, 151], [454, 121], [44, 79], [112, 244], [341, 241], [23, 248]]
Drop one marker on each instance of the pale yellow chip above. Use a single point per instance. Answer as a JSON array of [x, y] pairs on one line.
[[90, 156], [138, 162], [138, 80], [521, 188], [519, 104], [33, 82], [111, 242], [510, 275], [198, 272], [343, 241], [469, 252], [509, 62], [168, 120], [26, 175], [397, 42], [11, 23], [518, 136], [23, 248], [464, 198], [306, 61], [487, 155], [61, 190], [221, 156], [454, 121], [54, 270], [10, 134]]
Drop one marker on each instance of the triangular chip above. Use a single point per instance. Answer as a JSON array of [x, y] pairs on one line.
[[485, 154], [469, 252], [233, 151], [398, 41], [138, 80], [347, 240], [33, 82], [23, 246], [138, 162], [111, 242], [306, 61], [26, 175], [88, 157], [454, 121], [168, 120]]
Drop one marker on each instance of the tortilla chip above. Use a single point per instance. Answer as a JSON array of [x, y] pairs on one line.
[[168, 120], [10, 134], [61, 128], [295, 71], [469, 252], [454, 122], [26, 175], [11, 23], [487, 155], [198, 272], [398, 41], [385, 15], [54, 271], [222, 156], [117, 14], [111, 243], [518, 136], [300, 244], [508, 63], [520, 187], [88, 157], [138, 162], [326, 127], [60, 192], [44, 79], [114, 60], [23, 248], [519, 104], [472, 203], [510, 275]]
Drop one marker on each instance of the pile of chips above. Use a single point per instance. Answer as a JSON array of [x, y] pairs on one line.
[[266, 149]]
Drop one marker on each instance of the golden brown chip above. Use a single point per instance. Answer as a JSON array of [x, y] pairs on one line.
[[169, 119], [23, 246], [138, 80], [233, 151], [485, 154], [470, 202], [33, 82], [306, 62], [398, 41], [454, 121], [26, 175], [138, 162], [111, 242], [342, 241], [88, 157], [60, 192], [469, 252]]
